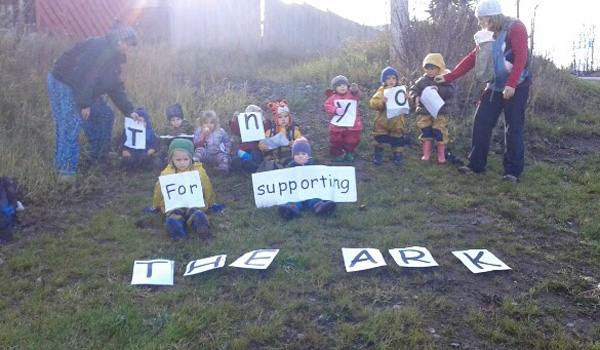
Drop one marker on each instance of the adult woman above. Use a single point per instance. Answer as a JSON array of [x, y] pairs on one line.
[[76, 85], [508, 92]]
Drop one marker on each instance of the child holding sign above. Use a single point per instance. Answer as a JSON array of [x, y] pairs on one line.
[[212, 142], [248, 157], [280, 136], [344, 135], [301, 153], [176, 126], [180, 161], [133, 157], [433, 101], [388, 127]]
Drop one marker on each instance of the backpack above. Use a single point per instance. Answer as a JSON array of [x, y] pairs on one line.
[[484, 62]]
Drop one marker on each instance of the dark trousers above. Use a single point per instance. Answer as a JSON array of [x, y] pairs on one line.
[[490, 106]]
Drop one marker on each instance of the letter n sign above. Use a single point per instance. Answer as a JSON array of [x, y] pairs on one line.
[[136, 134], [251, 127]]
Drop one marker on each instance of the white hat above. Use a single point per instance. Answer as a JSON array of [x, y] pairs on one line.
[[488, 8]]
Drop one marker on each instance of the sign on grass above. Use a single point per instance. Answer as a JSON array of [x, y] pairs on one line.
[[198, 266], [153, 272], [397, 103], [135, 133], [183, 190], [348, 117], [359, 259], [251, 126], [480, 260], [259, 259], [304, 182], [413, 257]]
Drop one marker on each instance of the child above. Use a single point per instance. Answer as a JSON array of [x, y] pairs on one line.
[[212, 142], [342, 140], [249, 155], [283, 124], [385, 129], [433, 129], [180, 160], [131, 158], [301, 153], [176, 126]]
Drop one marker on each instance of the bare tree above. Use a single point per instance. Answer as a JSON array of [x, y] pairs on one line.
[[400, 33]]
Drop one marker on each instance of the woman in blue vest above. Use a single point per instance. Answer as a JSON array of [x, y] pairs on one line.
[[507, 92], [76, 85]]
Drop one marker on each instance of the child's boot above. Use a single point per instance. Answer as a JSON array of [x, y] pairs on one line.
[[426, 151], [441, 149], [377, 155], [175, 228], [397, 158], [323, 208], [349, 157], [200, 224], [289, 211]]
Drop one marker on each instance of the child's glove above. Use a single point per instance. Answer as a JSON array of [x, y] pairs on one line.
[[217, 207], [339, 111], [151, 210]]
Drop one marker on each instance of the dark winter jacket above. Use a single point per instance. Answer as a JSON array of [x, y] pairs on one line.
[[92, 68], [445, 90]]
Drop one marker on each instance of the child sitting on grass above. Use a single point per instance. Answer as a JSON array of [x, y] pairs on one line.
[[283, 124], [343, 140], [212, 142], [180, 160], [132, 159], [176, 126], [248, 157], [301, 153]]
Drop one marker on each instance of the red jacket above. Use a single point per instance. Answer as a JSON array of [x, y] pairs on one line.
[[330, 108]]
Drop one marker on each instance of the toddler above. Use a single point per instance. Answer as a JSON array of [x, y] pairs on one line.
[[131, 158], [283, 124], [212, 142], [248, 157], [176, 126]]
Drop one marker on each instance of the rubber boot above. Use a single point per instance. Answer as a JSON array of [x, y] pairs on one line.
[[441, 149], [377, 155], [426, 151]]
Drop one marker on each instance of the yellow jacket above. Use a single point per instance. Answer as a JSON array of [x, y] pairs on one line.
[[382, 124], [207, 191]]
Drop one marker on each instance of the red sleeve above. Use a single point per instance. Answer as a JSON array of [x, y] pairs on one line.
[[462, 68], [234, 127], [329, 106], [517, 39]]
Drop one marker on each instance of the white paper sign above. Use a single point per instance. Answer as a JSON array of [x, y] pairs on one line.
[[397, 103], [276, 141], [183, 190], [348, 118], [359, 259], [480, 260], [259, 259], [431, 100], [136, 134], [413, 257], [198, 266], [337, 183], [251, 126], [156, 272]]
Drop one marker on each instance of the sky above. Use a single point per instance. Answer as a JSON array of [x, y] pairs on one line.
[[557, 23]]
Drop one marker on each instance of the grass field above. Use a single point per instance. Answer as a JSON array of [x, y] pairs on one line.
[[66, 274]]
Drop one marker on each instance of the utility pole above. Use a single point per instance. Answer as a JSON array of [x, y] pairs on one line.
[[518, 7]]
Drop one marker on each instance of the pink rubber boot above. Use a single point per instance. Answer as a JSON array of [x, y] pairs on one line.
[[426, 151], [441, 148]]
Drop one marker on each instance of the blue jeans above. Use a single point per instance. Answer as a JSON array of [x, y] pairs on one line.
[[490, 106]]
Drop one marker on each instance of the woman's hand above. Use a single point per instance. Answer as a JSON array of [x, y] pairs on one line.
[[85, 113], [439, 79], [353, 87], [136, 117], [508, 92]]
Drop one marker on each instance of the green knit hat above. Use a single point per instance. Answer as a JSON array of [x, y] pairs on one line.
[[184, 145]]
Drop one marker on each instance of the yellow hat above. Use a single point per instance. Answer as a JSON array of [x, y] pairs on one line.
[[436, 59]]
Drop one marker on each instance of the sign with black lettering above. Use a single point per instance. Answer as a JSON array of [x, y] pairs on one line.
[[198, 266], [346, 115], [359, 259], [259, 259], [153, 272], [275, 187], [413, 257], [251, 126], [183, 190], [397, 103], [135, 133], [480, 260]]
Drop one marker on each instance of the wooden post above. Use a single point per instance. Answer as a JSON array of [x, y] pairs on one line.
[[399, 33]]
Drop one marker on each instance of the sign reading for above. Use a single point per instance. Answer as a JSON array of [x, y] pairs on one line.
[[183, 190]]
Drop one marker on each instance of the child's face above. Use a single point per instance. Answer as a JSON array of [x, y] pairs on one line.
[[209, 124], [432, 70], [181, 160], [391, 81], [301, 158], [283, 119], [175, 121], [341, 89]]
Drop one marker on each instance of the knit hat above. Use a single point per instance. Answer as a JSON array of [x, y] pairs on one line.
[[253, 109], [388, 71], [339, 80], [488, 8], [301, 145], [123, 33], [184, 145], [174, 110], [436, 59]]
